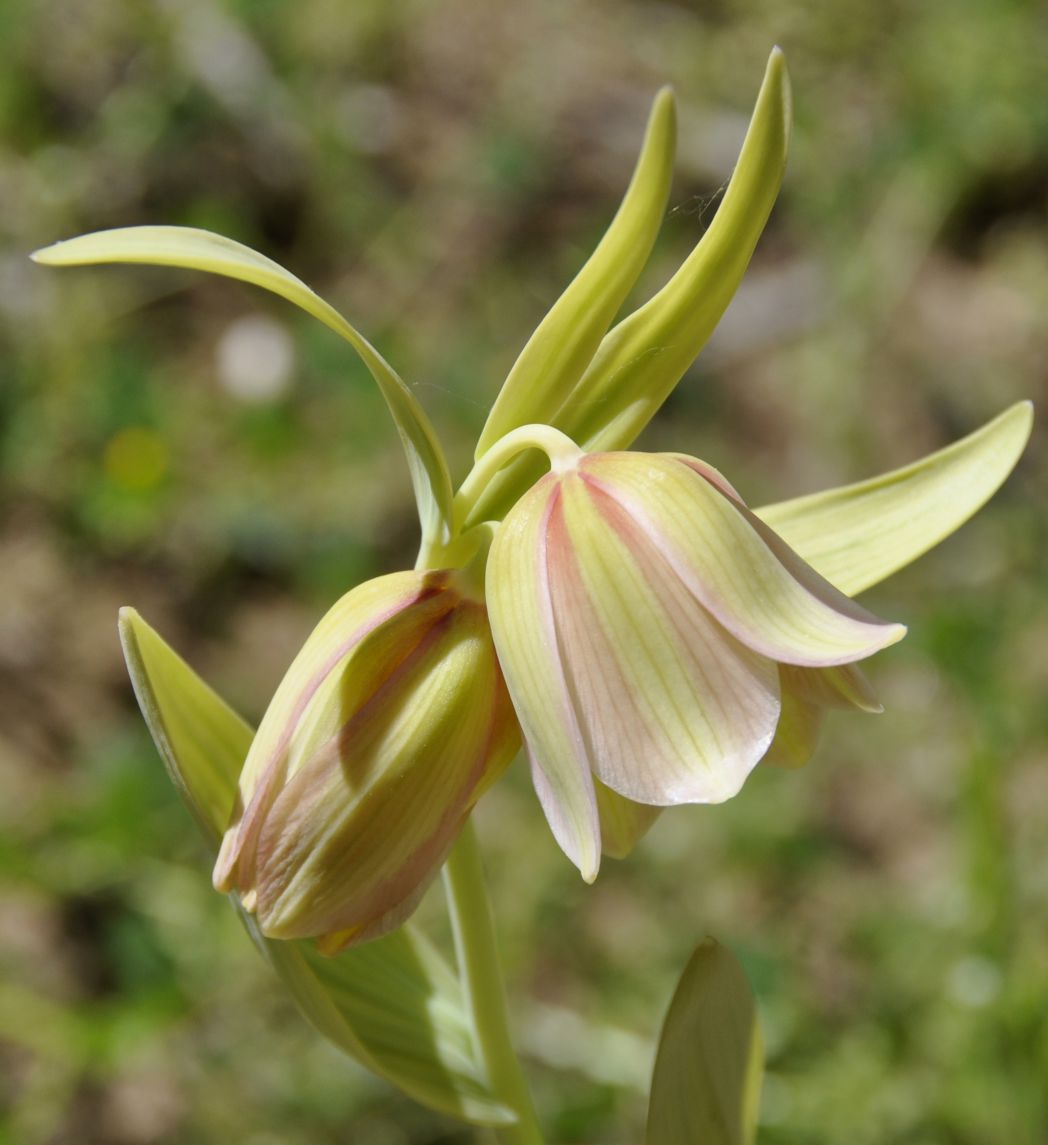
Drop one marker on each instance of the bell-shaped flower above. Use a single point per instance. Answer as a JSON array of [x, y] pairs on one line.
[[650, 629], [390, 723]]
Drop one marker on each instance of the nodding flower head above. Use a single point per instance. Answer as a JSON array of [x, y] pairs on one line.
[[389, 725], [650, 629]]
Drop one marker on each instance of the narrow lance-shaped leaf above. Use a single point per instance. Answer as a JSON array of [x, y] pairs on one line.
[[859, 534], [393, 1004], [645, 356], [201, 740], [201, 250], [706, 1086], [564, 343]]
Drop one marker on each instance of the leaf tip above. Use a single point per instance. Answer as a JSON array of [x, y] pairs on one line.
[[127, 621], [895, 633], [55, 254], [777, 84], [776, 70], [1013, 428], [665, 103], [1024, 412]]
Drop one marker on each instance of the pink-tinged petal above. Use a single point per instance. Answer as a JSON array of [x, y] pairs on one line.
[[529, 647], [623, 823], [672, 707], [712, 475], [735, 566], [390, 604]]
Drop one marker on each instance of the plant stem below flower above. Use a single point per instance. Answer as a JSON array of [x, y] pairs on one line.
[[474, 929]]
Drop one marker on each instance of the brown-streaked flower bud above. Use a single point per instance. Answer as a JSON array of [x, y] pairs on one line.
[[389, 725]]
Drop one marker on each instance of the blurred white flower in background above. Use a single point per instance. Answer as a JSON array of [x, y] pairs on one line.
[[255, 359]]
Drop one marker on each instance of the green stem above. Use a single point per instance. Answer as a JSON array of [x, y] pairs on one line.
[[481, 972], [558, 447]]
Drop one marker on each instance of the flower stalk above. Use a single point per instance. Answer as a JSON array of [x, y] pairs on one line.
[[476, 948]]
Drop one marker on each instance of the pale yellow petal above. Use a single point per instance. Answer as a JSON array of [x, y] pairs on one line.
[[522, 623], [674, 709], [623, 823], [749, 579], [797, 735], [845, 686]]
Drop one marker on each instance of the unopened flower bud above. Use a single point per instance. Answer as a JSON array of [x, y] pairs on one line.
[[389, 725]]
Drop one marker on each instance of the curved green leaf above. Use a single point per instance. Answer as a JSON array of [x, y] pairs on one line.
[[859, 534], [202, 250], [567, 338], [393, 1004], [644, 356], [641, 360], [706, 1086]]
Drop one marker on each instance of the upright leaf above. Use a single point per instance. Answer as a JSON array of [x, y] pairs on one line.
[[202, 250], [393, 1004], [201, 740], [645, 356], [566, 339], [706, 1086], [859, 534]]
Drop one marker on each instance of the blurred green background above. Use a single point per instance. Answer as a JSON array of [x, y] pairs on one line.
[[439, 170]]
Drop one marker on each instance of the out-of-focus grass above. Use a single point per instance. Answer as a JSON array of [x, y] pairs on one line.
[[439, 170]]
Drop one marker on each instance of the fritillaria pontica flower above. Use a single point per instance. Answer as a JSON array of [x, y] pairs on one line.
[[648, 625], [320, 843], [657, 639], [390, 723]]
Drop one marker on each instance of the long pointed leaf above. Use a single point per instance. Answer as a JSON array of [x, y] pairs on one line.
[[567, 338], [859, 534], [202, 250], [644, 356], [706, 1086], [393, 1004], [201, 740]]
